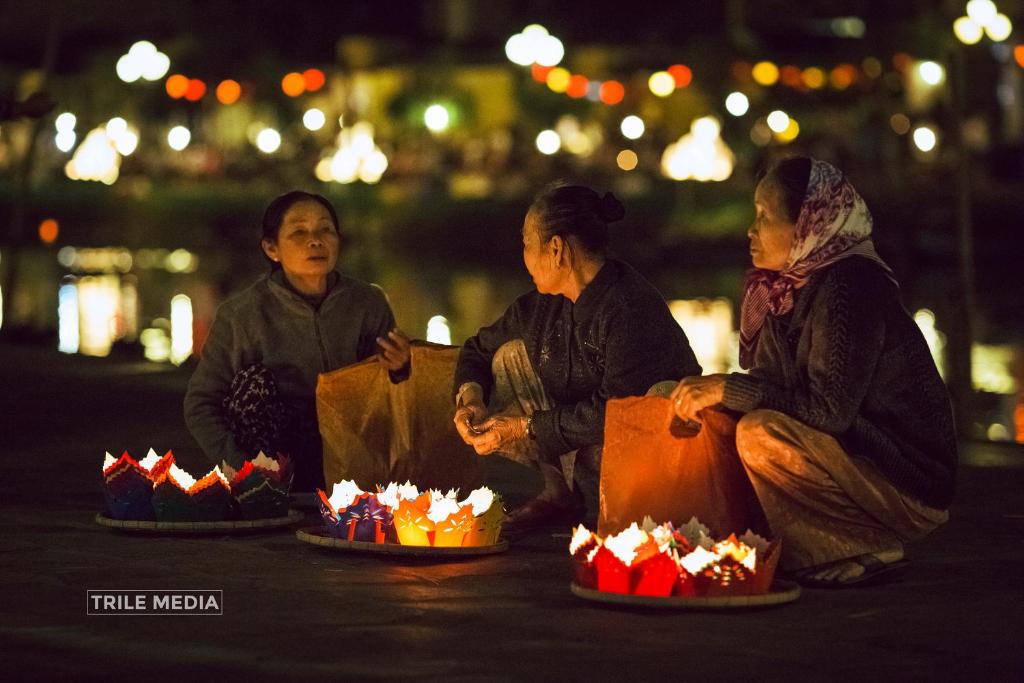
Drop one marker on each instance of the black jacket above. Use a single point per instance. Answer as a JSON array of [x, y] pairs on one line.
[[617, 340]]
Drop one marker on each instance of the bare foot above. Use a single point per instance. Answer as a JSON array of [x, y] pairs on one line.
[[841, 571]]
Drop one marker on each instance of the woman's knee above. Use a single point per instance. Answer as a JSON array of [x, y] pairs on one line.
[[756, 430]]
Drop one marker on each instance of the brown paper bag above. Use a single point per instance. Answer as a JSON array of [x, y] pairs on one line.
[[652, 466], [375, 432]]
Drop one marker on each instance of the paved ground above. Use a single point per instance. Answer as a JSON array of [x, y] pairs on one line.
[[292, 611]]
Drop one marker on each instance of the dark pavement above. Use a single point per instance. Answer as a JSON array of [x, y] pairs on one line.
[[292, 611]]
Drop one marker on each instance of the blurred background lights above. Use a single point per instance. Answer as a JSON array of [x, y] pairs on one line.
[[778, 121], [195, 90], [228, 91], [1000, 28], [612, 92], [178, 138], [548, 142], [737, 104], [931, 73], [48, 231], [765, 73], [632, 127], [181, 329], [356, 157], [558, 80], [268, 140], [627, 160], [982, 12], [534, 45], [95, 159], [65, 121], [968, 31], [293, 84], [438, 331], [176, 86], [661, 83], [700, 154], [436, 118], [925, 138], [313, 79], [144, 61], [900, 124], [124, 137], [314, 119]]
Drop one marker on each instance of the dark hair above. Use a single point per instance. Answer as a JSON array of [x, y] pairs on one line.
[[577, 211], [274, 215], [790, 177]]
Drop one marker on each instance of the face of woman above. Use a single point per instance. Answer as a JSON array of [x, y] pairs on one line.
[[771, 234], [539, 258], [307, 243]]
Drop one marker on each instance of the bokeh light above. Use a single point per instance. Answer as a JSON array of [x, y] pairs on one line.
[[737, 104], [436, 118], [293, 84], [268, 140], [778, 121], [313, 79], [627, 160], [661, 83], [577, 86], [228, 91], [178, 138], [195, 91], [765, 73], [314, 119], [612, 92], [632, 127], [900, 124], [558, 79], [548, 142], [931, 73], [682, 74], [48, 231], [176, 86], [925, 138], [968, 31]]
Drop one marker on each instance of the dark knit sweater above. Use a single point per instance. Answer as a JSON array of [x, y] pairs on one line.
[[848, 360], [617, 340]]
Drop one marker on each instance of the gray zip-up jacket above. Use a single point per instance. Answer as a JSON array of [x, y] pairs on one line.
[[271, 324]]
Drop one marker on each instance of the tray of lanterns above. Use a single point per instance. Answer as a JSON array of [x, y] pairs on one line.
[[156, 495], [662, 566], [400, 520]]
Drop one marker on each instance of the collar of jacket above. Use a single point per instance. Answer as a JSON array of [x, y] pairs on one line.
[[590, 299], [282, 290]]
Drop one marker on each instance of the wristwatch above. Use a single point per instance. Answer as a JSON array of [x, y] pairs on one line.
[[529, 428]]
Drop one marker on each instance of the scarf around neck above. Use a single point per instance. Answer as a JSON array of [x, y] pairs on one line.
[[834, 224]]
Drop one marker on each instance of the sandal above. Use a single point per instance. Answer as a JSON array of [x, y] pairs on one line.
[[875, 572]]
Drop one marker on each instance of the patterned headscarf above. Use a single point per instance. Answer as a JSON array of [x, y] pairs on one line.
[[834, 224]]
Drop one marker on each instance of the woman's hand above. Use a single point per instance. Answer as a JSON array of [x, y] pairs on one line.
[[470, 412], [693, 394], [395, 350], [499, 433]]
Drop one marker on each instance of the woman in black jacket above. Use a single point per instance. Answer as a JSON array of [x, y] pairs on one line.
[[533, 385], [848, 433]]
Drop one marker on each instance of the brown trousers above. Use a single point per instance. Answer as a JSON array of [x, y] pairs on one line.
[[823, 503]]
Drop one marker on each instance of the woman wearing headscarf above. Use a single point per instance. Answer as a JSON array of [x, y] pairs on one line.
[[533, 385], [847, 434]]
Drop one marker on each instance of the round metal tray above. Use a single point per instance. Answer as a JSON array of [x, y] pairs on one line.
[[780, 593], [317, 536], [226, 527]]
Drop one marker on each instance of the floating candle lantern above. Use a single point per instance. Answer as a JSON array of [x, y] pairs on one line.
[[261, 486], [662, 561], [128, 484], [179, 497], [401, 513]]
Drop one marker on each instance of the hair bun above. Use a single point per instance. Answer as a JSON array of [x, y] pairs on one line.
[[610, 209]]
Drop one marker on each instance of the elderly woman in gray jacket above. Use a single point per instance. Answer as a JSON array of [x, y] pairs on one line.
[[254, 387]]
